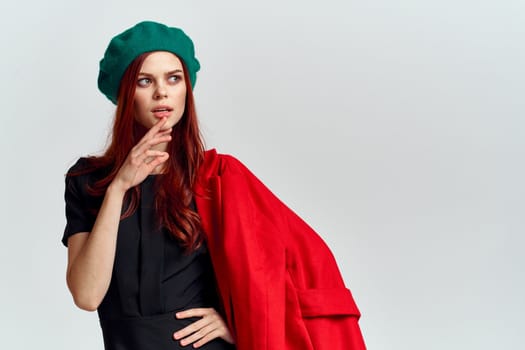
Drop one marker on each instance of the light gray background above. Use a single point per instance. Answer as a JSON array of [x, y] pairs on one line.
[[395, 128]]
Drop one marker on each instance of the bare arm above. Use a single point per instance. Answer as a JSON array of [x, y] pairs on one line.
[[91, 254]]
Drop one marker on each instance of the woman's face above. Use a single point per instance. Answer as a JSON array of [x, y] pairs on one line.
[[160, 91]]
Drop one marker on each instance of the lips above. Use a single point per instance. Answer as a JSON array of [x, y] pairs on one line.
[[162, 111]]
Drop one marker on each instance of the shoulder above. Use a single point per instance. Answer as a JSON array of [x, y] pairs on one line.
[[78, 174], [81, 165], [83, 174], [87, 167], [219, 164]]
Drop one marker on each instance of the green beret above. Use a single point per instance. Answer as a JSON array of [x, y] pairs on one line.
[[143, 37]]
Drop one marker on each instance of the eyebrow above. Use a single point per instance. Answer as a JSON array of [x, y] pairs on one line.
[[168, 73]]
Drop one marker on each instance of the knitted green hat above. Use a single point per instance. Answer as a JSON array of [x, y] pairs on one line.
[[143, 37]]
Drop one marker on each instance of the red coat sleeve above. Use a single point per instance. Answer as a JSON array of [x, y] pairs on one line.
[[279, 281]]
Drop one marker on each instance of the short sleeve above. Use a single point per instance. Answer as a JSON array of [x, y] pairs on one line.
[[80, 216]]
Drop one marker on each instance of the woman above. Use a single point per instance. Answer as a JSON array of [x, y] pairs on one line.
[[175, 246]]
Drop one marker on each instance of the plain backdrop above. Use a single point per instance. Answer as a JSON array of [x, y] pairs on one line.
[[395, 128]]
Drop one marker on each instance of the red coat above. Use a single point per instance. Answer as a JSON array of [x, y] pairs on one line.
[[279, 283]]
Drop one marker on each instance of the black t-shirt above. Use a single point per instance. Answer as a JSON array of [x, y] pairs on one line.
[[152, 274]]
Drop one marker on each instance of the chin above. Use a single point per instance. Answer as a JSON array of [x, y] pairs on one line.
[[171, 124]]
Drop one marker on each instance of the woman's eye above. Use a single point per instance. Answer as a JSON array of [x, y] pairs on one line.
[[143, 82], [174, 78]]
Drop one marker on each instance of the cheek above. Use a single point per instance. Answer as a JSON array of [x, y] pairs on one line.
[[182, 96], [181, 99], [139, 109], [138, 101]]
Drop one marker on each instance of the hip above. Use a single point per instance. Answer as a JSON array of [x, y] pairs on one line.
[[150, 332]]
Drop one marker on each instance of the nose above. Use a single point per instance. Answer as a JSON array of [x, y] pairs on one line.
[[160, 92]]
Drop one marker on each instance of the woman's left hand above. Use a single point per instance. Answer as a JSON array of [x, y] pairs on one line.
[[210, 326]]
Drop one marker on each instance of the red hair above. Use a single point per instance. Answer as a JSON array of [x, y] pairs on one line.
[[175, 187]]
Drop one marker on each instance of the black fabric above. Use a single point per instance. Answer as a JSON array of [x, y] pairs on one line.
[[154, 332], [152, 276]]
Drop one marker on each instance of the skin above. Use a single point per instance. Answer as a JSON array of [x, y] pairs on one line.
[[91, 254], [160, 84]]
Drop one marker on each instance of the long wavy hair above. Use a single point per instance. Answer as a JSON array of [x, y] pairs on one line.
[[174, 189]]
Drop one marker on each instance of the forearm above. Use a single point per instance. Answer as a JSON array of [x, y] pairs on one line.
[[91, 256], [90, 268]]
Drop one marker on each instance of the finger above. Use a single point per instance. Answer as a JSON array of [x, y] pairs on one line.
[[161, 132], [152, 154], [207, 338], [146, 143], [152, 161], [165, 132], [195, 312], [192, 328], [154, 130], [140, 157], [201, 333], [213, 330], [153, 138], [152, 165], [158, 126], [158, 139]]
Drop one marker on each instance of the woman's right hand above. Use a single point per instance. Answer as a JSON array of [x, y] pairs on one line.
[[143, 159], [91, 255]]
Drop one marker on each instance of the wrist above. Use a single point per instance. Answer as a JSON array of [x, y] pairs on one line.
[[116, 188]]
